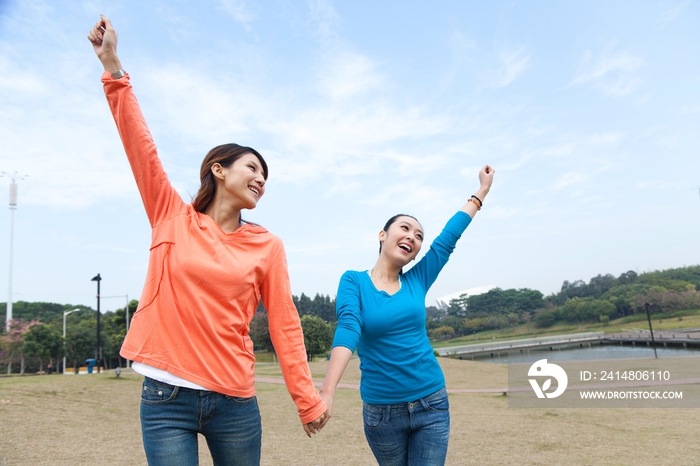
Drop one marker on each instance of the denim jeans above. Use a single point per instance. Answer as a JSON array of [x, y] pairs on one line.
[[409, 434], [172, 417]]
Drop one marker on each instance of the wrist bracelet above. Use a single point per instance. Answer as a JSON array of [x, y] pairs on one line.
[[480, 203], [478, 207]]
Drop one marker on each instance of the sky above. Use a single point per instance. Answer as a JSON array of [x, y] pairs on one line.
[[588, 111]]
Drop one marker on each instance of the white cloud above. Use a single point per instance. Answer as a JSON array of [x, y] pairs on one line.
[[67, 164], [613, 73], [347, 74], [515, 63], [325, 17], [690, 109], [239, 10], [568, 179], [609, 137], [512, 64], [671, 14]]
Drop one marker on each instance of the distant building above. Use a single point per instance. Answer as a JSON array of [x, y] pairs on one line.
[[443, 302]]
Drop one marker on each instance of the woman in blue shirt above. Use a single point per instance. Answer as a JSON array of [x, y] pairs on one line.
[[381, 312]]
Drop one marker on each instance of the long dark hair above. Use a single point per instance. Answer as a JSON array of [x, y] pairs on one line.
[[224, 155]]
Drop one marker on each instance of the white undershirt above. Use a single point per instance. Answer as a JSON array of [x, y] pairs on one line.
[[163, 376]]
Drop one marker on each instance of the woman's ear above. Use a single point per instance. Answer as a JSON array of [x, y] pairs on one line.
[[218, 171], [382, 235]]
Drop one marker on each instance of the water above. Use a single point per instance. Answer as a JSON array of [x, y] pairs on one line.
[[582, 354]]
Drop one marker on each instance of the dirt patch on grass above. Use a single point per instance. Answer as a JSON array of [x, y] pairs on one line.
[[94, 420]]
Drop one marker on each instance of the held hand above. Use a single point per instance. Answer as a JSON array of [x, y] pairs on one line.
[[103, 38], [486, 178], [328, 399], [316, 425]]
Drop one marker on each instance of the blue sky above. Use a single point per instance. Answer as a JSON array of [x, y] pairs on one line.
[[589, 111]]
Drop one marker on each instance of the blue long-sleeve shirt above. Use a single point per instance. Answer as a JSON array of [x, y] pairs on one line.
[[396, 359]]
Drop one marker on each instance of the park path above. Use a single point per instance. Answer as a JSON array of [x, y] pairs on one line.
[[357, 387]]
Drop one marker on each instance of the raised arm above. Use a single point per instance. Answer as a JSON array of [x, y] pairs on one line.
[[475, 202], [428, 268], [103, 38], [159, 198]]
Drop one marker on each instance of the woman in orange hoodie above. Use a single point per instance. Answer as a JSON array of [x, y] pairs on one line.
[[208, 270]]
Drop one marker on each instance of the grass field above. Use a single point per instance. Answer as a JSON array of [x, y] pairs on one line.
[[93, 420]]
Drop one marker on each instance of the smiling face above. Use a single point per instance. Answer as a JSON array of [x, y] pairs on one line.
[[211, 174], [243, 182], [402, 239]]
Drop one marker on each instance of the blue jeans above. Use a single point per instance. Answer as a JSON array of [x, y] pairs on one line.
[[171, 418], [409, 434]]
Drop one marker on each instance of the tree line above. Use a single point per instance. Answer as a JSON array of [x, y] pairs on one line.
[[603, 298], [35, 337]]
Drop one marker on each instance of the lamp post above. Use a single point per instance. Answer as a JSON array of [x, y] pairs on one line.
[[98, 351], [651, 331], [126, 315], [65, 313], [13, 207]]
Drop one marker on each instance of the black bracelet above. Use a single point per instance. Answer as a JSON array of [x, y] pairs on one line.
[[481, 204]]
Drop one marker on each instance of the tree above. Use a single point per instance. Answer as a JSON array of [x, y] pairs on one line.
[[433, 313], [13, 342], [441, 333], [303, 304], [456, 323], [321, 306], [120, 315], [260, 330], [47, 313], [686, 274], [317, 335], [496, 302], [667, 302], [80, 341], [513, 319], [324, 307], [546, 319], [622, 297], [43, 341], [627, 278], [576, 289], [476, 325], [600, 284], [498, 322], [458, 307], [587, 310]]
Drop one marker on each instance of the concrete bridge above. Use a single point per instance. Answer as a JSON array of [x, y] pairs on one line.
[[685, 337], [497, 347], [689, 337]]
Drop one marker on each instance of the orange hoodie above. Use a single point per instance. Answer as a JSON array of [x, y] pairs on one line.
[[203, 285]]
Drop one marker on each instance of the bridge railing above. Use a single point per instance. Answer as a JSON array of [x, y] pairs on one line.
[[523, 343]]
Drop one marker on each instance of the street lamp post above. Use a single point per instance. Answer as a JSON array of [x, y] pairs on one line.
[[65, 313], [98, 351], [13, 207], [651, 330]]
